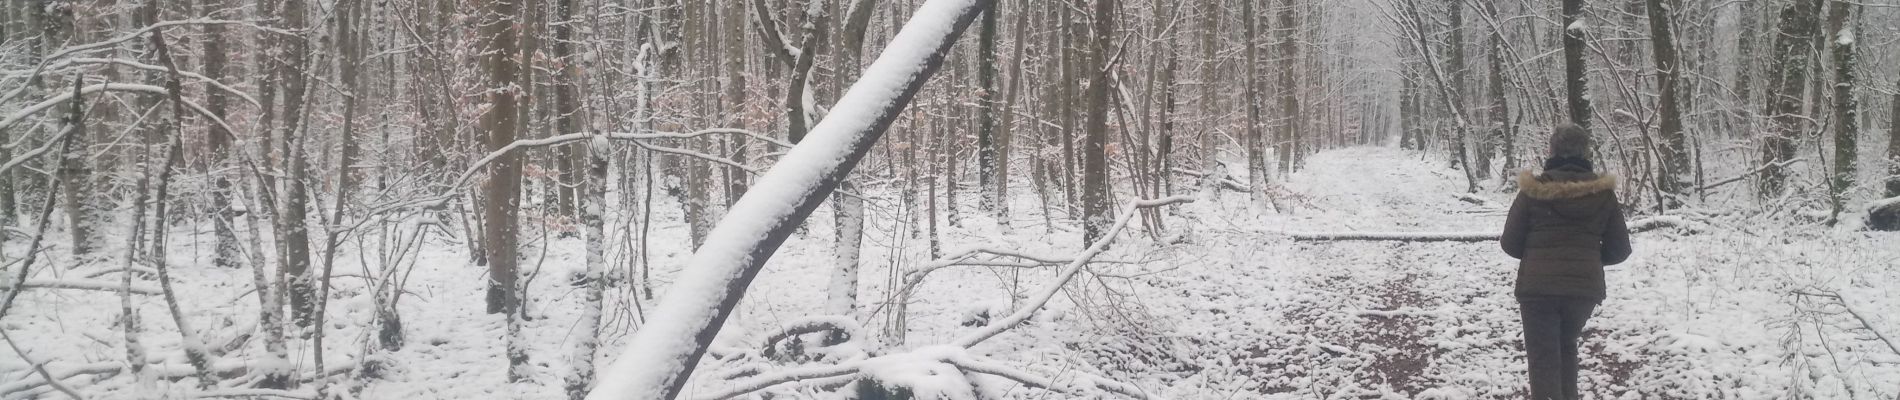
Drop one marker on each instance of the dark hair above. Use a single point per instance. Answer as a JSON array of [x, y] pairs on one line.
[[1570, 140]]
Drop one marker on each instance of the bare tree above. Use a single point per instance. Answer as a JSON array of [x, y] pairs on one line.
[[986, 162], [1846, 107], [1675, 162], [1095, 189], [1893, 145], [1288, 138], [1576, 81], [1790, 72], [1257, 176]]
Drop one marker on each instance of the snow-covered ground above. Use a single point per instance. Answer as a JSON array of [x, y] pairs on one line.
[[1222, 305]]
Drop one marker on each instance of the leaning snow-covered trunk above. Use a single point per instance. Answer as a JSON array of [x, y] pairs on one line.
[[658, 360]]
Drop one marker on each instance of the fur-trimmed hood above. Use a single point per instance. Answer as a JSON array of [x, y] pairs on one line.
[[1538, 188]]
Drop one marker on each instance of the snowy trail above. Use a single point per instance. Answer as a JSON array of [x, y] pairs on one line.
[[1263, 317], [1239, 311]]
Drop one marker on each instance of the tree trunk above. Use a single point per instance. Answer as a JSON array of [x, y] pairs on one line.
[[294, 234], [1500, 111], [1458, 144], [1287, 141], [986, 113], [1095, 190], [1893, 146], [734, 102], [586, 336], [1748, 21], [1257, 177], [1797, 30], [1006, 134], [1675, 161], [1576, 83], [1846, 107]]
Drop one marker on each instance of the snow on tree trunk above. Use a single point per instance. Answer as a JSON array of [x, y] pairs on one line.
[[1846, 107], [658, 360], [1286, 141], [842, 297], [593, 208], [1095, 189], [986, 162], [1675, 162], [218, 140], [1256, 144], [1576, 83], [1785, 97], [1893, 145]]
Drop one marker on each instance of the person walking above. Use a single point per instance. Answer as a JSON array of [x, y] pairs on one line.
[[1564, 226]]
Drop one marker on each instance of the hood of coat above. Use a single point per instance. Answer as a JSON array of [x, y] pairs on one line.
[[1564, 184]]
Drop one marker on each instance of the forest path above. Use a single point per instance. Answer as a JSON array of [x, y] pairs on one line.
[[1422, 320]]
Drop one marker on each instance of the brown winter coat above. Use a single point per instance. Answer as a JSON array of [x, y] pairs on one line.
[[1565, 226]]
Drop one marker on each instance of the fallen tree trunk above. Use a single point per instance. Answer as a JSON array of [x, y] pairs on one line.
[[1884, 215], [659, 358], [77, 284], [1637, 226]]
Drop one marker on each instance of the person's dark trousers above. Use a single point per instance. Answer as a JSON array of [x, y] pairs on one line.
[[1552, 327]]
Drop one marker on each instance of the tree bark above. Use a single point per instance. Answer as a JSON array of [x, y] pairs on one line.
[[294, 234], [1095, 190], [1846, 107], [1288, 140], [1576, 83], [986, 113], [1893, 145], [1675, 177], [1257, 176], [1797, 30], [1500, 111]]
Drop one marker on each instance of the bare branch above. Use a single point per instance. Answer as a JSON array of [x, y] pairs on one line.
[[1029, 307]]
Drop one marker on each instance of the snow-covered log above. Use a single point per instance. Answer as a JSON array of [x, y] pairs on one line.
[[1637, 226], [657, 361], [80, 284], [1884, 215]]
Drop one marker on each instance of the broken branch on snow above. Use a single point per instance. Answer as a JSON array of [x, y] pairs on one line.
[[1637, 226]]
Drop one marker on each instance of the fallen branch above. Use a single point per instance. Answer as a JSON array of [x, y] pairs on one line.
[[224, 369], [1637, 226], [1227, 181], [79, 285], [954, 353], [1758, 170], [1868, 326], [40, 367], [1029, 308]]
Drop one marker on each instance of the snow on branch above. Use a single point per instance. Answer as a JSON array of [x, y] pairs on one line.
[[968, 257], [103, 286], [49, 103], [1028, 308], [954, 355], [149, 67], [638, 139], [1865, 324], [659, 358], [1637, 226], [114, 41]]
